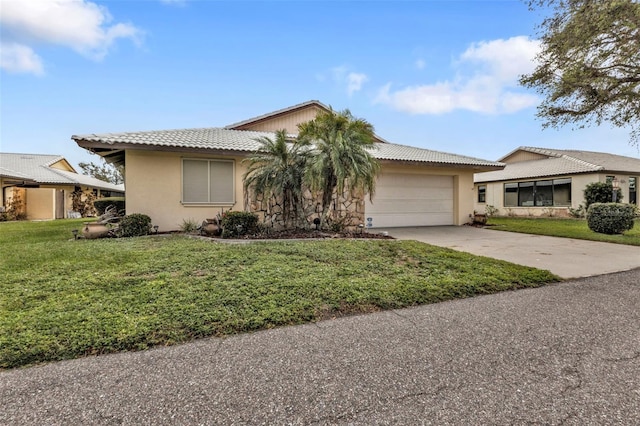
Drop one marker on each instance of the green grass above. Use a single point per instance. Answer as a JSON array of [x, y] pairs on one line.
[[62, 299], [563, 227]]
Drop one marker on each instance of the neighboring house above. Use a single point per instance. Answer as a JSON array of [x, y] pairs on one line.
[[44, 183], [177, 175], [540, 181]]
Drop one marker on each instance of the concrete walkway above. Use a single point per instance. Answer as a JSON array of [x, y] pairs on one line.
[[565, 257], [562, 354]]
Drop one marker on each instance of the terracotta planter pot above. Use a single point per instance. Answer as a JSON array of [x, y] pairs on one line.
[[210, 227], [92, 230], [480, 218]]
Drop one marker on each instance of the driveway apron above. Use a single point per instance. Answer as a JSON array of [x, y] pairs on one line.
[[565, 257]]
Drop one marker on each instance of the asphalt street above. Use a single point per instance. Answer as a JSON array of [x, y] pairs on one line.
[[567, 353]]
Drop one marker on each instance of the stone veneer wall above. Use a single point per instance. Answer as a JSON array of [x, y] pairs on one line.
[[346, 211]]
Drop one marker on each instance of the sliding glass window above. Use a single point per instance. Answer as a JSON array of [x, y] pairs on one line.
[[540, 193]]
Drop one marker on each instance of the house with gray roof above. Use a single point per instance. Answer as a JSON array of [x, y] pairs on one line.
[[45, 182], [541, 181], [177, 175]]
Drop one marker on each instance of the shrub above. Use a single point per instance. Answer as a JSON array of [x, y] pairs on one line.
[[490, 210], [579, 213], [189, 225], [236, 223], [82, 202], [134, 225], [101, 204], [610, 218], [15, 208], [600, 192]]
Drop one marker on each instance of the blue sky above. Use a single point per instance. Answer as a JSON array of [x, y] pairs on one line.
[[440, 75]]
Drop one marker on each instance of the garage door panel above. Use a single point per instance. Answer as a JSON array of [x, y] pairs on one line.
[[401, 193], [415, 219], [428, 206], [411, 200]]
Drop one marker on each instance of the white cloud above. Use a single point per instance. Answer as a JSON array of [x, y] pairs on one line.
[[355, 81], [80, 25], [486, 81], [420, 64], [505, 59], [343, 76], [18, 58]]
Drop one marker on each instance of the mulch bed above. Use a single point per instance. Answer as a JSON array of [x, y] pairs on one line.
[[296, 234]]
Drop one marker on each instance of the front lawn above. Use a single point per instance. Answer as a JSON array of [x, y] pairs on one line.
[[61, 298], [563, 227]]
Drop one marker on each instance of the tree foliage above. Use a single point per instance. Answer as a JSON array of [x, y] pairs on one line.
[[600, 192], [339, 158], [104, 171], [589, 67], [277, 169]]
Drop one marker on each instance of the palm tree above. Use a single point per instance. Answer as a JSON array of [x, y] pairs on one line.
[[277, 169], [339, 157]]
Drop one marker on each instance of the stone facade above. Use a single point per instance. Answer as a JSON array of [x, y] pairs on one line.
[[346, 211]]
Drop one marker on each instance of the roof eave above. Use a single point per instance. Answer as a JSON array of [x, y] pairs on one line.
[[439, 164]]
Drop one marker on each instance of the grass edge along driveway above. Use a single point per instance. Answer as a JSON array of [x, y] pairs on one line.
[[563, 227], [63, 299]]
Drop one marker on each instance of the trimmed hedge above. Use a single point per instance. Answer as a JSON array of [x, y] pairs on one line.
[[237, 223], [102, 204], [610, 218], [134, 225]]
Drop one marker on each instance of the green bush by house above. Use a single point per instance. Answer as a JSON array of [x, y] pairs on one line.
[[610, 218], [101, 204], [135, 225], [238, 223], [600, 192]]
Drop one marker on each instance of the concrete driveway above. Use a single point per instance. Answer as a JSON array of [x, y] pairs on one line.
[[565, 257]]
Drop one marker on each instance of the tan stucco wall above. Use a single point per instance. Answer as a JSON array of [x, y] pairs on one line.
[[41, 203], [519, 156], [495, 194], [62, 165], [154, 186], [462, 186], [288, 121]]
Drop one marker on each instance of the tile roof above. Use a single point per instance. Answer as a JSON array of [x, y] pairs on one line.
[[214, 138], [560, 162], [36, 167], [223, 139], [396, 152], [605, 160]]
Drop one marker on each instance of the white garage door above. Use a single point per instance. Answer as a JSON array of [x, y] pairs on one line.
[[411, 200]]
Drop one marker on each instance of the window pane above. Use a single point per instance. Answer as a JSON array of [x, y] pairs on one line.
[[195, 185], [221, 182], [482, 193], [544, 193], [525, 194], [562, 192], [510, 194]]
